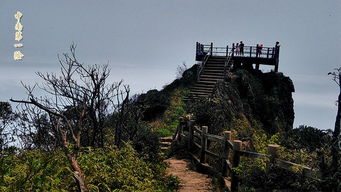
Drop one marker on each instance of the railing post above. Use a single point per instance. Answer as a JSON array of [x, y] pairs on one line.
[[203, 144], [190, 134], [237, 145], [250, 51], [225, 153], [232, 50], [273, 151], [211, 48], [267, 54], [183, 125], [177, 135], [227, 50]]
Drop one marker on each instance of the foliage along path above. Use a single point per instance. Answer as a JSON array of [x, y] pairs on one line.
[[189, 179]]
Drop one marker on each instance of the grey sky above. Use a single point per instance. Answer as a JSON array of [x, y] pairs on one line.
[[145, 41]]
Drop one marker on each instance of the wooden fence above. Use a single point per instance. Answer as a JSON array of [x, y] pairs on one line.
[[231, 151]]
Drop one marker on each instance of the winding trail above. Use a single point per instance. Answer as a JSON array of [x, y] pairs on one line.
[[189, 179]]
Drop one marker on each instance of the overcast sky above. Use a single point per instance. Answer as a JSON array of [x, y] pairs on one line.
[[145, 41]]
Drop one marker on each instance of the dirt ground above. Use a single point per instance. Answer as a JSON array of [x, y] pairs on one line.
[[189, 180]]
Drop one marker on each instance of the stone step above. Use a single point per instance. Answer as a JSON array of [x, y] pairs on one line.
[[201, 88], [208, 82], [205, 86], [209, 79], [215, 65], [201, 91], [212, 75], [166, 139], [165, 144], [214, 68], [164, 148]]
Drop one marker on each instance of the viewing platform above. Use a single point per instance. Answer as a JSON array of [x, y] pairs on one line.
[[241, 55]]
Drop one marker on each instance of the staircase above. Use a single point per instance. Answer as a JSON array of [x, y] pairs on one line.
[[166, 143], [213, 71]]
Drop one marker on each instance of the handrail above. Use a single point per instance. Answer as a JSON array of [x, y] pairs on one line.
[[201, 67], [228, 59], [234, 147], [249, 51]]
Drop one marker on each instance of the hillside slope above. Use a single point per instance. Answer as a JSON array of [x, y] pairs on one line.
[[246, 99]]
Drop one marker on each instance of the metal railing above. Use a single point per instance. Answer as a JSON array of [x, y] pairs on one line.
[[246, 51], [207, 51], [253, 51]]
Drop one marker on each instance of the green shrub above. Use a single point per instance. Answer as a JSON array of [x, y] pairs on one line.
[[168, 123], [107, 169]]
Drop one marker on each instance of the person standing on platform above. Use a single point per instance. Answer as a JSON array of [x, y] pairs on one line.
[[237, 49], [241, 48], [260, 50]]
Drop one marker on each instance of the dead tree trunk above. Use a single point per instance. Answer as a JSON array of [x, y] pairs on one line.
[[72, 157]]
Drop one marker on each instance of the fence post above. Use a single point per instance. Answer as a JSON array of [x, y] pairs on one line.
[[203, 144], [211, 48], [237, 145], [177, 135], [273, 151], [250, 51], [190, 134], [227, 50], [225, 154]]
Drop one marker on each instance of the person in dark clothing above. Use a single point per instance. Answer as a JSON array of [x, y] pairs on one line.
[[241, 48]]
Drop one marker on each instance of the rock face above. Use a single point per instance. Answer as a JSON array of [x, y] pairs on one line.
[[249, 98], [266, 97]]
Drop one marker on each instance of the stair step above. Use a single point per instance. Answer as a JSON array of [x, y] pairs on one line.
[[214, 76], [208, 86], [215, 62], [215, 65], [166, 139], [210, 79], [202, 85], [164, 148], [201, 88], [208, 82], [214, 68], [165, 144], [201, 91], [201, 94]]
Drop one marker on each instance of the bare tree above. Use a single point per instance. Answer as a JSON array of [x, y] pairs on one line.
[[76, 103], [336, 75]]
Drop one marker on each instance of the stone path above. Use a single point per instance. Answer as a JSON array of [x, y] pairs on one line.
[[190, 181]]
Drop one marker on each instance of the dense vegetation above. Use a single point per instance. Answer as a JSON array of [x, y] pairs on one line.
[[107, 169]]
